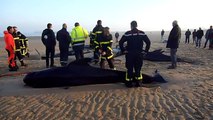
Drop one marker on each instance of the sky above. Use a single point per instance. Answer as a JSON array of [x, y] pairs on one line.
[[32, 16]]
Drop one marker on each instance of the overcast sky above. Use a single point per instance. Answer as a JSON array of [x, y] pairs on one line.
[[31, 16]]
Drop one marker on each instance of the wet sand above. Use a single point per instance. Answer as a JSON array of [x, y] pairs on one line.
[[187, 95]]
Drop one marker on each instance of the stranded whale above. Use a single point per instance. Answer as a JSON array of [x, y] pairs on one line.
[[80, 73]]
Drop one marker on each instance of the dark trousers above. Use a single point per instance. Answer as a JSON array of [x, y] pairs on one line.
[[187, 40], [173, 57], [110, 62], [96, 55], [194, 40], [206, 43], [198, 42], [50, 53], [210, 43], [79, 54], [134, 61], [19, 56], [64, 51]]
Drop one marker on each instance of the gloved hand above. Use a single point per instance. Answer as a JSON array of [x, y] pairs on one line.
[[103, 53], [100, 51]]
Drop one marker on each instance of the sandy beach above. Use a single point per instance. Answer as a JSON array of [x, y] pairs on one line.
[[188, 94]]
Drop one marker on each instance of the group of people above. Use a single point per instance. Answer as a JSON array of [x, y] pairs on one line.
[[197, 37], [131, 44], [101, 41], [76, 38], [16, 45]]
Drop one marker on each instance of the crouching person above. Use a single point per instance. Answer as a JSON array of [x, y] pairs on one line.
[[105, 49], [134, 56]]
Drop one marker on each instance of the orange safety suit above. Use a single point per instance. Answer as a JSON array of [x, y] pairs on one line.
[[10, 48]]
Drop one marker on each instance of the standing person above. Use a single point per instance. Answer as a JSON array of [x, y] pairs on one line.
[[105, 49], [194, 36], [173, 43], [48, 39], [10, 48], [24, 44], [64, 40], [78, 35], [91, 42], [187, 34], [162, 34], [207, 36], [134, 58], [16, 36], [116, 36], [210, 37], [96, 36], [199, 37]]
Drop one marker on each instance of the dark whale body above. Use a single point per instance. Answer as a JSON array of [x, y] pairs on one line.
[[79, 73]]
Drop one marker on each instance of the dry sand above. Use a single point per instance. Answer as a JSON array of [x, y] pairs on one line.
[[187, 95]]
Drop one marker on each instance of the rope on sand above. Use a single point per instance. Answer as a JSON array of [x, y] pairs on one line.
[[38, 53], [13, 74]]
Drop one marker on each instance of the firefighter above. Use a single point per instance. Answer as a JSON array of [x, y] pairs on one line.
[[17, 40], [78, 35], [64, 40], [23, 44], [105, 49], [96, 37], [10, 48], [134, 53]]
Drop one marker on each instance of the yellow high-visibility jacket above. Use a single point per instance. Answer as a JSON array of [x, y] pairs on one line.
[[79, 35]]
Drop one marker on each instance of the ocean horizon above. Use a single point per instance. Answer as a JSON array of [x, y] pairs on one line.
[[38, 34]]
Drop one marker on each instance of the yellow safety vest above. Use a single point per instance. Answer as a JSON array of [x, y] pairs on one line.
[[17, 44], [79, 35]]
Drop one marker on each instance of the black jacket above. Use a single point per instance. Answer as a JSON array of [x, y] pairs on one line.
[[194, 34], [17, 41], [107, 40], [174, 37], [63, 38], [106, 44], [199, 34], [187, 33], [48, 38], [97, 32], [210, 35], [135, 40]]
